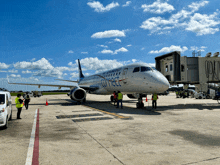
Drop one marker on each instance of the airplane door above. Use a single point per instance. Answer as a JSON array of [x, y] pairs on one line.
[[124, 75]]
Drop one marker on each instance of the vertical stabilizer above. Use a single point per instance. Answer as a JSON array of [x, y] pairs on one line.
[[81, 76]]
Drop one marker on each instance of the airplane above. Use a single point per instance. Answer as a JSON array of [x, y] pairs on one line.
[[135, 80]]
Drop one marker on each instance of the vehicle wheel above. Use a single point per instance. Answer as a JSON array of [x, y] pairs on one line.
[[10, 116], [207, 97], [142, 105], [84, 100], [138, 105], [200, 97], [6, 124], [112, 98]]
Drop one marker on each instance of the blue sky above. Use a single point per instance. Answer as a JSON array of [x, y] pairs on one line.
[[41, 40]]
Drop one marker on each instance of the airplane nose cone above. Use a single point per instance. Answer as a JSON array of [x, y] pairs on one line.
[[162, 84]]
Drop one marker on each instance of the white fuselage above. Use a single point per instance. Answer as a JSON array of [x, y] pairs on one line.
[[130, 79]]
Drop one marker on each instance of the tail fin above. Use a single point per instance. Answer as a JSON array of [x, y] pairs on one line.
[[81, 76]]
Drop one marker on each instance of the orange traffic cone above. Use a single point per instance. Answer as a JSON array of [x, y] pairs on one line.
[[46, 103], [146, 99]]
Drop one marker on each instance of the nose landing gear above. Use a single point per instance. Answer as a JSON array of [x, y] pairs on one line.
[[140, 103]]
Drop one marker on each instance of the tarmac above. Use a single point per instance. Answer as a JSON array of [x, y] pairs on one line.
[[178, 132]]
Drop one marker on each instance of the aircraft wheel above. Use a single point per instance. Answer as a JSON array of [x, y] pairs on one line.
[[138, 105], [112, 98], [142, 105]]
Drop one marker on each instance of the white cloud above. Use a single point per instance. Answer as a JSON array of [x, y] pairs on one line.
[[84, 52], [201, 24], [33, 59], [43, 68], [100, 8], [103, 46], [126, 4], [151, 64], [129, 45], [74, 75], [108, 34], [117, 40], [4, 66], [13, 71], [26, 72], [105, 51], [40, 64], [198, 48], [15, 76], [133, 60], [100, 65], [70, 52], [120, 50], [158, 7], [196, 5], [170, 49]]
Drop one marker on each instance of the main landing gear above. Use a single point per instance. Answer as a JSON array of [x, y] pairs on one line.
[[140, 103]]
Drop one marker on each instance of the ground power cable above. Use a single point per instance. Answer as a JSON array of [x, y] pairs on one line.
[[96, 141]]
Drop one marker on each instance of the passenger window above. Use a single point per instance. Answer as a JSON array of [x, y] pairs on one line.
[[137, 69], [171, 67], [144, 69]]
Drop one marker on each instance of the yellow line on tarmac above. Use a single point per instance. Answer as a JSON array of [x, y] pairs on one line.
[[109, 113]]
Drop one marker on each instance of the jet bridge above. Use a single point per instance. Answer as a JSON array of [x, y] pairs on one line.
[[190, 70]]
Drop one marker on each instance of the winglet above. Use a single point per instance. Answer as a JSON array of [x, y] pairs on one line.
[[81, 76]]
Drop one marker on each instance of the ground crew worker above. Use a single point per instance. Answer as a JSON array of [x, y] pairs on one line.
[[115, 97], [26, 101], [120, 97], [154, 100], [176, 94], [19, 105]]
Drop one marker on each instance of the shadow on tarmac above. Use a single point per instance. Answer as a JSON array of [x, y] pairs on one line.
[[197, 138]]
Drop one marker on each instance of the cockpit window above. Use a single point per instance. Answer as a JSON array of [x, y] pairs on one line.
[[137, 69], [153, 68], [144, 69], [2, 98]]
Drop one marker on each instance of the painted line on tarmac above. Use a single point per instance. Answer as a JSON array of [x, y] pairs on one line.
[[33, 149], [110, 113]]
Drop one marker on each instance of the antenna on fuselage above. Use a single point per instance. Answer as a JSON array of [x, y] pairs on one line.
[[81, 76]]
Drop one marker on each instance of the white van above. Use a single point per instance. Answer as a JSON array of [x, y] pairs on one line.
[[5, 108]]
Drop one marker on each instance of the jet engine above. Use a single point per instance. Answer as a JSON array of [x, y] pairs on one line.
[[78, 94]]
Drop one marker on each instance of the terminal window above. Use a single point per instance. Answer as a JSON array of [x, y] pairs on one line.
[[182, 68], [171, 67], [166, 68]]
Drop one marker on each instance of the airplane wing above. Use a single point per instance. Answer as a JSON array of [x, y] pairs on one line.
[[68, 80], [89, 88], [51, 85]]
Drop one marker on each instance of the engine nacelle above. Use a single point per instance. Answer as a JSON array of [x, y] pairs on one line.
[[78, 94]]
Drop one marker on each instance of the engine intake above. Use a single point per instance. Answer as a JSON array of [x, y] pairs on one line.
[[78, 94]]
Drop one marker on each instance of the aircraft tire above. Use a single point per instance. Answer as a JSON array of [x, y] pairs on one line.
[[112, 98]]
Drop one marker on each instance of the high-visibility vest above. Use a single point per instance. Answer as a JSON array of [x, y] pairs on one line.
[[120, 96], [154, 96], [18, 104]]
